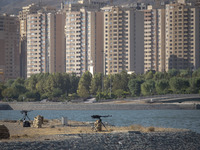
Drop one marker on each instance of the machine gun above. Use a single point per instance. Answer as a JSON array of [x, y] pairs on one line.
[[98, 124], [99, 117]]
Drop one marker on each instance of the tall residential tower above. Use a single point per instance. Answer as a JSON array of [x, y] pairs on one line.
[[9, 47], [45, 42], [123, 40], [84, 41]]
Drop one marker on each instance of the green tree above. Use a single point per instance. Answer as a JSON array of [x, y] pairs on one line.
[[121, 81], [148, 87], [149, 75], [179, 85], [55, 81], [84, 85], [162, 86], [135, 86], [132, 76], [74, 80], [160, 75], [96, 83], [83, 92], [173, 73], [2, 87], [66, 84], [185, 73], [40, 86], [29, 96], [194, 85], [31, 82], [20, 81], [108, 83], [196, 73], [9, 83], [18, 88], [10, 93], [55, 93], [119, 93]]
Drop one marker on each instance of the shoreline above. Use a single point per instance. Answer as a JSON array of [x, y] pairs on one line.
[[119, 105]]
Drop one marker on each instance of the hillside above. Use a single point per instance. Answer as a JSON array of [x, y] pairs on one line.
[[14, 6]]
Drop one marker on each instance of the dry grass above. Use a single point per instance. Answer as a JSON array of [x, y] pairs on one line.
[[152, 129], [53, 127]]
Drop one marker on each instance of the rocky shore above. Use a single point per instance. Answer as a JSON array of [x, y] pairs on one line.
[[132, 140]]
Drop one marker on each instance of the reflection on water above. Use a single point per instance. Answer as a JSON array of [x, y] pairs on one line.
[[187, 119]]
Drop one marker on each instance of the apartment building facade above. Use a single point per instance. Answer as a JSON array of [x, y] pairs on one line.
[[122, 51], [30, 9], [45, 42], [9, 47], [182, 36], [154, 39], [83, 52], [171, 37]]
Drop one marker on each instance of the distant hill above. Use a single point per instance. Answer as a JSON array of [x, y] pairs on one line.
[[14, 6]]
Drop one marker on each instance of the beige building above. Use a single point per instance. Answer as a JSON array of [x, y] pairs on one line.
[[182, 36], [9, 47], [30, 9], [45, 42], [171, 37], [84, 37], [154, 39], [84, 41], [123, 40]]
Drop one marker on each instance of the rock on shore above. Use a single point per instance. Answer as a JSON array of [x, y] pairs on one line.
[[114, 141]]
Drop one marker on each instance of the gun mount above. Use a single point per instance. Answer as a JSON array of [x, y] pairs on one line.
[[98, 124], [25, 123]]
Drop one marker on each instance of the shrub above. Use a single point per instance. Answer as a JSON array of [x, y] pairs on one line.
[[151, 129]]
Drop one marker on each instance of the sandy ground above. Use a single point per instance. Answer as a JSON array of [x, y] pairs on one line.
[[52, 129]]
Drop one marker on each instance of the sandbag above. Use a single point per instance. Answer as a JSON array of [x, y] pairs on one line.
[[4, 132]]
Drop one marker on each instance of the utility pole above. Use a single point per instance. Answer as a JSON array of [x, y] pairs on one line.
[[111, 2], [110, 86]]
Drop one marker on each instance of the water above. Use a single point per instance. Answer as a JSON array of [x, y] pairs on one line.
[[185, 119]]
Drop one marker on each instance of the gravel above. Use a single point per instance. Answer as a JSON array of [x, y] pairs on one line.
[[113, 141]]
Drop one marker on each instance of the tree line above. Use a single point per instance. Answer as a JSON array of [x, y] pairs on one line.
[[63, 86]]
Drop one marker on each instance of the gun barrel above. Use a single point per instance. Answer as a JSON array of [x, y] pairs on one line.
[[107, 116], [98, 116]]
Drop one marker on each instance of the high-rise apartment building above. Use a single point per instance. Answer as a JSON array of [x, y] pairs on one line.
[[171, 37], [121, 49], [45, 42], [30, 9], [84, 37], [84, 41], [9, 47], [182, 36], [154, 39]]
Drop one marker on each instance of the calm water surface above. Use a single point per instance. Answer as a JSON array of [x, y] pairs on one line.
[[187, 119]]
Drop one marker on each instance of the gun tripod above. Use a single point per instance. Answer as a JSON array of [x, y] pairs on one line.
[[98, 125], [25, 112], [25, 123]]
